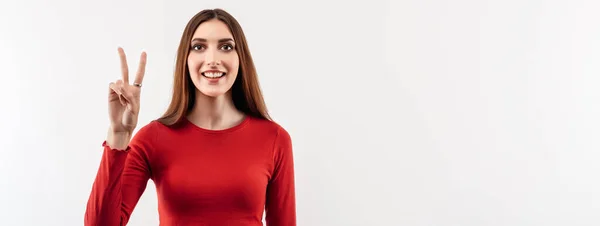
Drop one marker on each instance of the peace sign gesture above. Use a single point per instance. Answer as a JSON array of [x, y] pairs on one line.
[[124, 98]]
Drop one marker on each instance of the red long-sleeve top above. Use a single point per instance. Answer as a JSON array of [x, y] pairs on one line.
[[202, 177]]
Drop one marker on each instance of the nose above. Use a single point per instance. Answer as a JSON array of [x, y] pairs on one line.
[[211, 59]]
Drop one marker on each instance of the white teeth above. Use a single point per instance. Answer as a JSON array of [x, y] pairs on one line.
[[213, 74]]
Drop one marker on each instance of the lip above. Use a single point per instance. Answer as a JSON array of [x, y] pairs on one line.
[[213, 80], [213, 71]]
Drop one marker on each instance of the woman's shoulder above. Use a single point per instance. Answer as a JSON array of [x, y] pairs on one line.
[[277, 133], [150, 126], [271, 127], [148, 130]]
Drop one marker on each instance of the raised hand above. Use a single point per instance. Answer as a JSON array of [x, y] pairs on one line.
[[124, 98]]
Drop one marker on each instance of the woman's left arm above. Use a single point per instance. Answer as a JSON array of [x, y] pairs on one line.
[[281, 198]]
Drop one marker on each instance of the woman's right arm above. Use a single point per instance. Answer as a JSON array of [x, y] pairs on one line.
[[121, 179], [124, 168]]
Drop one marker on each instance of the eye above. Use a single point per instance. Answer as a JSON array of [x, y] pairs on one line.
[[197, 47], [227, 47]]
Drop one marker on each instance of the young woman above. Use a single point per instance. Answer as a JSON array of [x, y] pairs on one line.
[[215, 156]]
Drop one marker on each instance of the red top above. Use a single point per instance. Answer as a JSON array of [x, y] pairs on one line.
[[202, 177]]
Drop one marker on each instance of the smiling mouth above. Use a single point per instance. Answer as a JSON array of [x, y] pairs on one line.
[[213, 74]]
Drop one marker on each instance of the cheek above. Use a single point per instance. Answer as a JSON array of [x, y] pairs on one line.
[[234, 63], [193, 64]]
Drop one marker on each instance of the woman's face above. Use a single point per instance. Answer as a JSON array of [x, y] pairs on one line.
[[213, 61]]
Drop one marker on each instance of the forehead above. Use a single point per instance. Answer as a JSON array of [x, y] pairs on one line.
[[213, 30]]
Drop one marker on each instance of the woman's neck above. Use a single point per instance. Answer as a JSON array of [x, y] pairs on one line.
[[215, 113]]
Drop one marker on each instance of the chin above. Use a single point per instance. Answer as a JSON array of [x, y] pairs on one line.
[[212, 92]]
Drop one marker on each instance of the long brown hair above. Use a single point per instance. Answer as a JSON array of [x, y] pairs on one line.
[[246, 93]]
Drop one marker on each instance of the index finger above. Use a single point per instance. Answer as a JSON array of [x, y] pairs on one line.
[[141, 69], [124, 68]]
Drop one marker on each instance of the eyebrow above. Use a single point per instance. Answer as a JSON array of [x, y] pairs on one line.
[[220, 40]]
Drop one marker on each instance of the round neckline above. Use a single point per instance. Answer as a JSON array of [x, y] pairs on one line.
[[238, 126]]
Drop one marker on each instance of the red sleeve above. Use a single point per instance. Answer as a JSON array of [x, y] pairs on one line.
[[121, 179], [280, 205]]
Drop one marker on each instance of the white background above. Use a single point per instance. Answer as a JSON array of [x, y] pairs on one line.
[[413, 112]]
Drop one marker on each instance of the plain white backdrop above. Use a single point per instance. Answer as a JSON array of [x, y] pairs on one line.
[[445, 113]]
